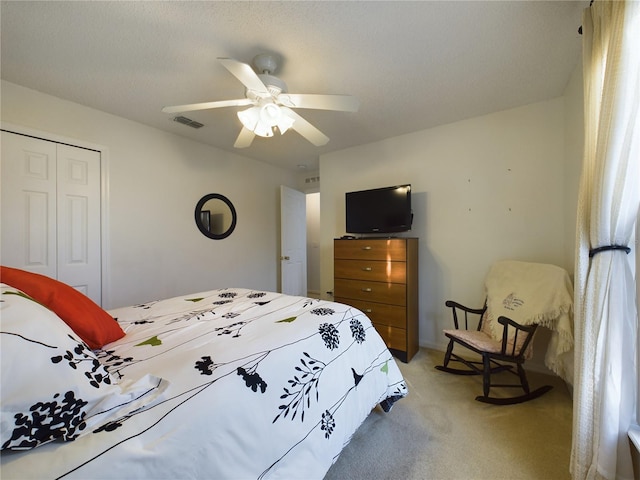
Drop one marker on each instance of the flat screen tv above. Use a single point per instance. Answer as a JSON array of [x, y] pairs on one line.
[[380, 210]]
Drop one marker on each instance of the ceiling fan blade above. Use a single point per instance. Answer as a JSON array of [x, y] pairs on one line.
[[207, 105], [245, 74], [307, 130], [343, 103], [244, 138]]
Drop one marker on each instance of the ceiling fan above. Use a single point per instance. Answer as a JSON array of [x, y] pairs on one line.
[[270, 103]]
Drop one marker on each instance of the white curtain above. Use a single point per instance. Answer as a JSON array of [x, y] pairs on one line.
[[606, 319]]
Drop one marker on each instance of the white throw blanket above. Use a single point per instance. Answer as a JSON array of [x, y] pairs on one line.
[[534, 293]]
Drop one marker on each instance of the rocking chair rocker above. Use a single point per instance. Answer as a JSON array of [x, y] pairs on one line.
[[497, 356]]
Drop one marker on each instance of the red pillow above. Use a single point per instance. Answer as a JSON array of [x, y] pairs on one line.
[[90, 322]]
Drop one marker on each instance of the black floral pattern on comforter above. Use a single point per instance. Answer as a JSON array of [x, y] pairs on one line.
[[261, 385]]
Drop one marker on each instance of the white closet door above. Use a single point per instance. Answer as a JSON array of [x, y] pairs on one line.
[[51, 211], [29, 204], [78, 202]]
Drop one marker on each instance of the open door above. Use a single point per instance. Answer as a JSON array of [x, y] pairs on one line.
[[293, 242]]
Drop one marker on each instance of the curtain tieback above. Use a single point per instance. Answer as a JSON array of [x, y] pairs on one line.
[[594, 251]]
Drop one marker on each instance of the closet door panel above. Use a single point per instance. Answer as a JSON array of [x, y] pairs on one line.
[[28, 201], [79, 219], [37, 231]]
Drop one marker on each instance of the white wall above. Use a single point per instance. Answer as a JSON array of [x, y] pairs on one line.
[[155, 180], [574, 146], [483, 189]]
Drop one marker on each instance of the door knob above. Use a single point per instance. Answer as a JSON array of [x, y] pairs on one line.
[[285, 257]]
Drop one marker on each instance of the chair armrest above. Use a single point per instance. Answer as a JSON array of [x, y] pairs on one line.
[[519, 340], [455, 306]]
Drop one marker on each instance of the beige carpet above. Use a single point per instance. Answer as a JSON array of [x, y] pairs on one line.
[[439, 431]]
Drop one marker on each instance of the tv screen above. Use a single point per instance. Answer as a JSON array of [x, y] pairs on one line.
[[380, 210]]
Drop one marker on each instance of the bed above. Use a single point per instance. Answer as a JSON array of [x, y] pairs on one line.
[[228, 383]]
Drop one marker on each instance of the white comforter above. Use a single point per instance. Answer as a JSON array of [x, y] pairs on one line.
[[261, 385]]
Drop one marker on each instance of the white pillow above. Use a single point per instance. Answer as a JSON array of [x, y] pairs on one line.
[[53, 386]]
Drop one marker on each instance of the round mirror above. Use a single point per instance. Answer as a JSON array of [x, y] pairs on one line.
[[215, 216]]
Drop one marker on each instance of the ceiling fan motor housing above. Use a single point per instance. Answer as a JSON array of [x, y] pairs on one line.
[[265, 63], [273, 84]]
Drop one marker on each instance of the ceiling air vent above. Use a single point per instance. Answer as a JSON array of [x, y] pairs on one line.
[[188, 122], [312, 180]]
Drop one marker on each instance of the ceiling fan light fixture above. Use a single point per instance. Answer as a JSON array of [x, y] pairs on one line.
[[263, 130], [285, 122], [250, 117], [251, 120], [274, 116], [261, 119], [270, 114]]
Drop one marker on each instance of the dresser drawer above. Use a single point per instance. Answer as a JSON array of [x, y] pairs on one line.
[[380, 313], [395, 338], [379, 292], [394, 249], [373, 270]]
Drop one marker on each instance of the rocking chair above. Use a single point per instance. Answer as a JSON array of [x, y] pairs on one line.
[[497, 355]]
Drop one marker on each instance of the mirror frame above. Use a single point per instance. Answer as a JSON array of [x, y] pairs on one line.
[[201, 227]]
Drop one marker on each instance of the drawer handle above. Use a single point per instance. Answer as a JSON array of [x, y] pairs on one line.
[[367, 269], [367, 289], [366, 248]]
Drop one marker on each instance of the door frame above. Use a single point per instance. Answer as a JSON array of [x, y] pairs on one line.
[[104, 193]]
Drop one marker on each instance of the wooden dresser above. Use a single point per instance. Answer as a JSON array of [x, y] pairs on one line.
[[379, 276]]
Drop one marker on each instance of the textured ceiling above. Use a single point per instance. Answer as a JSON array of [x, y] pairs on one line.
[[412, 65]]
